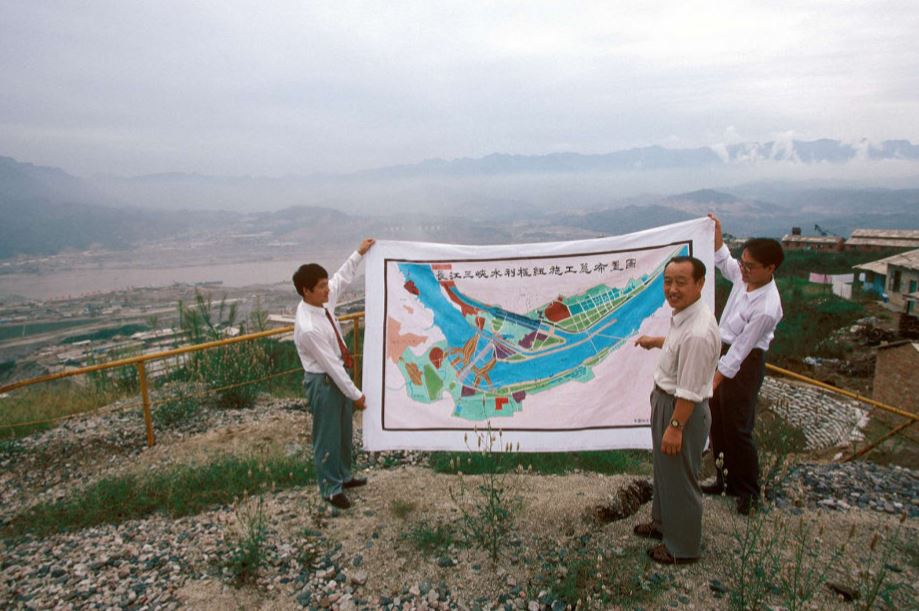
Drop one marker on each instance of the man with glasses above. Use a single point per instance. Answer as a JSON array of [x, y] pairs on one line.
[[327, 384], [747, 326]]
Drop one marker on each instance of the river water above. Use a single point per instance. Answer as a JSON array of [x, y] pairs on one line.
[[89, 281]]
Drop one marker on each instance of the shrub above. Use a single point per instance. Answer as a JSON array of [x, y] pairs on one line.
[[246, 552], [176, 409], [759, 566], [235, 373], [121, 380], [490, 521]]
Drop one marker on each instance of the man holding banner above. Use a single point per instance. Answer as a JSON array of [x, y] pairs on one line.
[[328, 386], [748, 323], [680, 416]]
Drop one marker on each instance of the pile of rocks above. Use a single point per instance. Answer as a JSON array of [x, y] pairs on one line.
[[146, 563], [893, 490], [827, 420]]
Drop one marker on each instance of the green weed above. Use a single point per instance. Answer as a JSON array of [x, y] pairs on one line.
[[777, 442], [121, 380], [10, 447], [430, 537], [176, 409], [754, 563], [178, 491], [800, 578], [874, 575], [760, 568], [490, 520], [557, 463], [246, 553]]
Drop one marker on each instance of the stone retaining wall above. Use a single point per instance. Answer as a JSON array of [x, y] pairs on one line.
[[827, 420]]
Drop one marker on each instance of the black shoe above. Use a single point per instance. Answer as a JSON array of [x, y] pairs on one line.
[[340, 501], [355, 482], [715, 488], [747, 504]]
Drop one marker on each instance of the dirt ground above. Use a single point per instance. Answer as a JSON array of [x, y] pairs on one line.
[[552, 514], [556, 545]]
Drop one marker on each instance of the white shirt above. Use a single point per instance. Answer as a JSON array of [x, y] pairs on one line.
[[749, 317], [315, 339], [690, 354]]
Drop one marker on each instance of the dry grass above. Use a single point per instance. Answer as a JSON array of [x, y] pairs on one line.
[[51, 401]]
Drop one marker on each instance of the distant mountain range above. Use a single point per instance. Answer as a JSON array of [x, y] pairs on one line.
[[45, 210], [21, 181], [658, 158]]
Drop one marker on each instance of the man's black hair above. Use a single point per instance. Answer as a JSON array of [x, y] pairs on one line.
[[308, 276], [698, 268], [765, 251]]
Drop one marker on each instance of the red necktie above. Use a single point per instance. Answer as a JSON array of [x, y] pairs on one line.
[[345, 354]]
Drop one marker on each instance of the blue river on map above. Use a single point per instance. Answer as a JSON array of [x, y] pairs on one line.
[[554, 361]]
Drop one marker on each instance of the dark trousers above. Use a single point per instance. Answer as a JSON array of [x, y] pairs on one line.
[[332, 429], [733, 418], [676, 507]]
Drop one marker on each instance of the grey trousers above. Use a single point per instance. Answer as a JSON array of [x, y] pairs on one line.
[[676, 508], [332, 430]]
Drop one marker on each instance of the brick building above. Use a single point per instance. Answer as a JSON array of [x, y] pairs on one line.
[[795, 241], [872, 240], [895, 379]]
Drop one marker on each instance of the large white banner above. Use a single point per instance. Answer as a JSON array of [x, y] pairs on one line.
[[534, 340]]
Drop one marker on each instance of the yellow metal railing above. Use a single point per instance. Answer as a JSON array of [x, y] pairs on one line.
[[843, 392], [140, 362], [911, 418]]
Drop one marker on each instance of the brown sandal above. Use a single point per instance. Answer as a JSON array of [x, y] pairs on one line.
[[648, 531], [661, 555]]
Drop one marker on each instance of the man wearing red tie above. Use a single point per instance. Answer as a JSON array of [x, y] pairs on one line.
[[329, 389]]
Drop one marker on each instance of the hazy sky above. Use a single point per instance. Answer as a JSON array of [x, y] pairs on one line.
[[293, 87]]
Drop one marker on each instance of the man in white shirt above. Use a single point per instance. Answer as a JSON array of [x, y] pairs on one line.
[[329, 389], [680, 417], [748, 324]]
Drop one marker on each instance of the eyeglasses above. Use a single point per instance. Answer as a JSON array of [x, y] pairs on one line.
[[749, 266]]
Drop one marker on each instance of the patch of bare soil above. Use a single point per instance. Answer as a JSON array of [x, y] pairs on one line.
[[403, 540], [271, 433]]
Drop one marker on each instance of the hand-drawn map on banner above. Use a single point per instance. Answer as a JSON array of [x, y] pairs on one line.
[[536, 340]]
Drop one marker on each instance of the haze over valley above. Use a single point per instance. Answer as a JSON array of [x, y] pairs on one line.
[[55, 222]]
